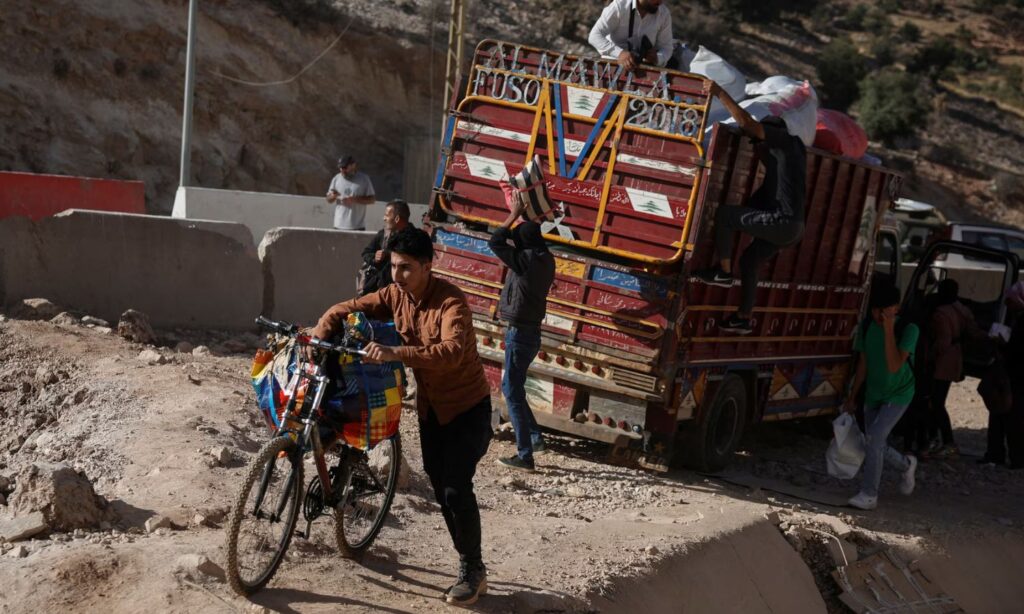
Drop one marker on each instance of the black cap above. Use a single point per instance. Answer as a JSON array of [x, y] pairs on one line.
[[345, 160]]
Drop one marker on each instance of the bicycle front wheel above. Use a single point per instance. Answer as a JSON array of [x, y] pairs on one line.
[[368, 480], [264, 515]]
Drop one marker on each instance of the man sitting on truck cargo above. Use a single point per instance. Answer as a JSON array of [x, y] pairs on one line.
[[523, 305], [634, 32], [774, 215], [453, 397]]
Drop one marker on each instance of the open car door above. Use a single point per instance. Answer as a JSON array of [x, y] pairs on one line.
[[984, 280]]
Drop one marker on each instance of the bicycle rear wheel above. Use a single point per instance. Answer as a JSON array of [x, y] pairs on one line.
[[264, 515], [368, 480]]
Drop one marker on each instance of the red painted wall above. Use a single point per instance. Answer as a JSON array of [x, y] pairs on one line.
[[37, 196]]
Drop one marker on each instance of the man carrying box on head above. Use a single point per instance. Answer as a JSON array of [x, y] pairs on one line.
[[522, 305]]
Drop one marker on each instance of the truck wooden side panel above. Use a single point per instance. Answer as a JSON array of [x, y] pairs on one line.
[[809, 296]]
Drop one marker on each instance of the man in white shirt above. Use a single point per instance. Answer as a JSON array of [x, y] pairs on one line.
[[350, 192], [624, 25]]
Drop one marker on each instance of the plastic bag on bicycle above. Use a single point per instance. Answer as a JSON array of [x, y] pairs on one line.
[[363, 403]]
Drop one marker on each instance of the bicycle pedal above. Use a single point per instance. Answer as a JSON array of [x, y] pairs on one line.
[[308, 531]]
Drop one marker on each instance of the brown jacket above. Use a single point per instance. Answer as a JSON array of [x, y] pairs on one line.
[[951, 326], [439, 343]]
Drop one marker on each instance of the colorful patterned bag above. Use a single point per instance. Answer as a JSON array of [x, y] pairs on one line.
[[363, 403]]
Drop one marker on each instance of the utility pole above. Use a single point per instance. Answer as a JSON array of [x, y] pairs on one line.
[[456, 23], [190, 82]]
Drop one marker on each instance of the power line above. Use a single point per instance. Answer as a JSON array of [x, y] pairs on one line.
[[336, 40]]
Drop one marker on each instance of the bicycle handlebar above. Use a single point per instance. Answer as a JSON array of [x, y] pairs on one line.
[[292, 330]]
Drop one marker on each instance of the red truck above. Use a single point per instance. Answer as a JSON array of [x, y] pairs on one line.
[[632, 354]]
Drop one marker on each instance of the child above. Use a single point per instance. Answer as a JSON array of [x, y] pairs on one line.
[[885, 359]]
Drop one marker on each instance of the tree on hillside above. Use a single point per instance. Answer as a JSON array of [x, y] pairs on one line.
[[892, 105], [933, 59], [840, 69], [760, 11]]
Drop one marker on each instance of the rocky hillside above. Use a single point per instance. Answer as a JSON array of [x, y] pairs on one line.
[[95, 88]]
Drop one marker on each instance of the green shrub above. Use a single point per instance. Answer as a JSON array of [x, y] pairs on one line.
[[933, 59], [840, 69], [892, 105], [909, 32]]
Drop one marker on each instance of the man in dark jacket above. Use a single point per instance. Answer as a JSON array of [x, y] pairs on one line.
[[376, 269], [522, 306]]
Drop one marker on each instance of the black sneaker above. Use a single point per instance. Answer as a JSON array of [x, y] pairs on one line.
[[737, 325], [472, 583], [715, 277], [539, 447], [517, 463]]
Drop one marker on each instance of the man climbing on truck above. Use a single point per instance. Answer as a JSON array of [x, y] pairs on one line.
[[773, 216]]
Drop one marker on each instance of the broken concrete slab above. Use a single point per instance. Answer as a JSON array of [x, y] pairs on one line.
[[198, 567], [838, 527]]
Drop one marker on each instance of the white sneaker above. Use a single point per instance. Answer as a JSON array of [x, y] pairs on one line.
[[907, 484], [864, 502]]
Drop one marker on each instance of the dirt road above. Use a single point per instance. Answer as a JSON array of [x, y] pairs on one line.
[[578, 535]]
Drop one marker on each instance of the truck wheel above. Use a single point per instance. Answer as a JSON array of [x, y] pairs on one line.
[[709, 445]]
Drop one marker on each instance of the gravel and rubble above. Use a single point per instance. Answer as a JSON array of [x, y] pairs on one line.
[[165, 445]]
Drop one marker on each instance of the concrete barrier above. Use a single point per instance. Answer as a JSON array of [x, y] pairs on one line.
[[37, 196], [181, 273], [746, 568], [261, 211], [305, 271]]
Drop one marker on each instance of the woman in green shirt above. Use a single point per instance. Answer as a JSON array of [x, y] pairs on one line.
[[885, 366]]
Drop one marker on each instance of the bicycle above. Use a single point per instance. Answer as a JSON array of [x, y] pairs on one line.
[[359, 489]]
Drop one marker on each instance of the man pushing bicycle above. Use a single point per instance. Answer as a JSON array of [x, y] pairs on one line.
[[453, 397]]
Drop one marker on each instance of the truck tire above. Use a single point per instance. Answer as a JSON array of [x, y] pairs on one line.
[[709, 444]]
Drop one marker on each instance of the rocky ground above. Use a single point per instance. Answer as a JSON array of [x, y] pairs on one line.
[[162, 435]]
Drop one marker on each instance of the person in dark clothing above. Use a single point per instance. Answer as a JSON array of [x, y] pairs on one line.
[[950, 325], [376, 269], [531, 271], [1006, 430], [774, 215]]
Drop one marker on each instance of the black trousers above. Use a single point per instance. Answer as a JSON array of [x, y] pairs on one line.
[[450, 455], [1006, 435], [770, 233], [938, 418]]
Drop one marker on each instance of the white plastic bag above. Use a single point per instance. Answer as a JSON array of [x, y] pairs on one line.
[[846, 452], [792, 100], [727, 76]]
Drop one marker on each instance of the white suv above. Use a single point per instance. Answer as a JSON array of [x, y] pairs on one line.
[[993, 236]]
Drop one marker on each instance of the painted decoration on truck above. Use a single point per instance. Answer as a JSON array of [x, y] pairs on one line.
[[500, 133], [800, 389], [556, 321], [584, 102], [570, 268], [649, 202], [690, 387], [540, 393], [486, 168], [627, 281], [463, 242]]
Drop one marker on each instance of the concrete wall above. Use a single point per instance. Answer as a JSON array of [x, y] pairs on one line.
[[37, 196], [181, 273], [261, 211], [306, 271]]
